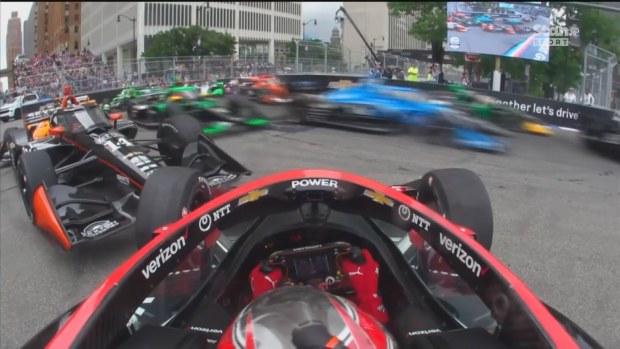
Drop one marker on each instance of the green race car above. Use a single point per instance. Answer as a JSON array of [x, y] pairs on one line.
[[218, 115]]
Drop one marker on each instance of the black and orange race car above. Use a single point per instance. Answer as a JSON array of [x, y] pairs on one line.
[[314, 258], [82, 182], [37, 126], [265, 89]]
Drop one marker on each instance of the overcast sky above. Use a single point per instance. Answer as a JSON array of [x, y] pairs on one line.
[[323, 12]]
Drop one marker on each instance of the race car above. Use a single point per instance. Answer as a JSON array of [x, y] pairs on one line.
[[467, 21], [496, 28], [83, 182], [215, 115], [457, 27], [513, 20], [373, 107], [488, 108], [37, 126], [522, 29], [315, 258], [265, 89], [215, 89], [125, 98], [484, 19]]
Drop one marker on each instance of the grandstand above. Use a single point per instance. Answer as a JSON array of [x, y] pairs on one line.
[[46, 74]]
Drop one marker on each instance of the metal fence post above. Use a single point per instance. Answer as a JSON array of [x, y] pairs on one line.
[[296, 56]]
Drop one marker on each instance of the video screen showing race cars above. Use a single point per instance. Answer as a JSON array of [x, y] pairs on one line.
[[517, 30]]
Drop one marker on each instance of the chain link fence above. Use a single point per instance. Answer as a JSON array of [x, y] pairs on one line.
[[597, 76], [95, 74]]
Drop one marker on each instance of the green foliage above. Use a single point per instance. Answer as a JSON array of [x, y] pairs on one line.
[[184, 42], [430, 25], [314, 49]]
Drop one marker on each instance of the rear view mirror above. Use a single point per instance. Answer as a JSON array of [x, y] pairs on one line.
[[115, 116]]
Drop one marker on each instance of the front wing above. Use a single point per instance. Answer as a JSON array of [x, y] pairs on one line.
[[71, 215]]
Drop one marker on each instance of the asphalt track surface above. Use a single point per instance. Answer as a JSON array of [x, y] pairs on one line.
[[556, 210]]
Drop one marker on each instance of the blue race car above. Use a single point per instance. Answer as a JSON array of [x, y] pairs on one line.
[[380, 108], [484, 19]]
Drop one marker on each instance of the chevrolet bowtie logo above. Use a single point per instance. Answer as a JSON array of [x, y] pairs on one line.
[[378, 197], [253, 196]]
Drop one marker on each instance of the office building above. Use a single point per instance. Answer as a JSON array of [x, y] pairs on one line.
[[13, 41]]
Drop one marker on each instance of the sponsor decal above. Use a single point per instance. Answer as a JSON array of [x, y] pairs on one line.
[[164, 125], [122, 179], [101, 139], [315, 182], [114, 146], [461, 254], [217, 180], [340, 84], [406, 215], [98, 228], [378, 197], [207, 330], [253, 196], [206, 221], [164, 255], [307, 248], [420, 332], [142, 161]]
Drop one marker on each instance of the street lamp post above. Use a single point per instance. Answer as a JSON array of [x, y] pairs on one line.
[[135, 45], [325, 60], [296, 55], [304, 31]]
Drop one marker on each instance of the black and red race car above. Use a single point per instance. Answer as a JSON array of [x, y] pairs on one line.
[[314, 259], [82, 181]]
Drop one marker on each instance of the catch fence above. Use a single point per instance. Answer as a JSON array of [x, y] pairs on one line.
[[598, 70]]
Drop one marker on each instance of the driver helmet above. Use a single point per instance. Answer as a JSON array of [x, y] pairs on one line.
[[303, 317]]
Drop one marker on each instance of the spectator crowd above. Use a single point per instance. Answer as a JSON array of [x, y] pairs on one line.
[[45, 74]]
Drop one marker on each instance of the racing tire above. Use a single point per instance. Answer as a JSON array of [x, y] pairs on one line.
[[241, 109], [460, 195], [169, 194], [33, 169], [174, 134], [8, 139]]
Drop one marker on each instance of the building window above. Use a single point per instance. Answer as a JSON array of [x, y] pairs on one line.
[[76, 29], [77, 5], [75, 44], [66, 29], [76, 17]]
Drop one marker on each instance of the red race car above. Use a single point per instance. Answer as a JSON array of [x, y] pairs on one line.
[[265, 89], [313, 259]]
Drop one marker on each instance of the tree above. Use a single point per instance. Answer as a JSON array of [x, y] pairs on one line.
[[430, 25], [190, 41], [314, 49]]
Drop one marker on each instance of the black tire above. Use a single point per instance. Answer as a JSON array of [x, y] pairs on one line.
[[460, 195], [33, 169], [174, 134], [7, 138], [167, 193]]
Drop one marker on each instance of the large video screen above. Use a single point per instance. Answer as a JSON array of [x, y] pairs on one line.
[[518, 30]]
